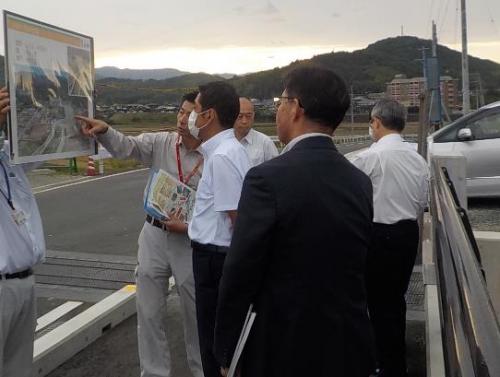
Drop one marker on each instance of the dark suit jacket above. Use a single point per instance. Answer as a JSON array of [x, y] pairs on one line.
[[298, 253]]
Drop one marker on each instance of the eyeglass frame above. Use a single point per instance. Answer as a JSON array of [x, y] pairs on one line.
[[277, 100]]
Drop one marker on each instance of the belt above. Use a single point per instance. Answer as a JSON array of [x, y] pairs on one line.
[[155, 222], [209, 247], [17, 275]]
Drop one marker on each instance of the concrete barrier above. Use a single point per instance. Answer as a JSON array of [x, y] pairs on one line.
[[489, 248], [433, 336]]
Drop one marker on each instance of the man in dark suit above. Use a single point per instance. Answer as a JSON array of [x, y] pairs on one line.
[[299, 247]]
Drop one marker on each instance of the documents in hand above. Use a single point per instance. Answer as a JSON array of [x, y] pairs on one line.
[[166, 194], [245, 331]]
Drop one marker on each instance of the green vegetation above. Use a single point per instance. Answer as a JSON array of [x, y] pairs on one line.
[[367, 70], [143, 119]]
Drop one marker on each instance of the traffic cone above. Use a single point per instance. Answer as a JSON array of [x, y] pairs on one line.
[[90, 167]]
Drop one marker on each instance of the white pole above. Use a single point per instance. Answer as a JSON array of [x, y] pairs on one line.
[[465, 63]]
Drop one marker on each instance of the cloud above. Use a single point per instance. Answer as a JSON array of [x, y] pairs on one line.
[[336, 15], [240, 9], [277, 19], [270, 9]]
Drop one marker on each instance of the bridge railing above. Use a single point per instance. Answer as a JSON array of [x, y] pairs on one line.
[[469, 326]]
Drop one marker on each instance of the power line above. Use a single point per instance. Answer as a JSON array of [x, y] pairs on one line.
[[457, 12], [443, 21], [492, 20], [440, 12]]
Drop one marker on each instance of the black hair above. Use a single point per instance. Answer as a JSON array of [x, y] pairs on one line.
[[221, 97], [320, 92], [190, 97]]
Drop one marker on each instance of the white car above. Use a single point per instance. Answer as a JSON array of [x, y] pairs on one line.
[[477, 137]]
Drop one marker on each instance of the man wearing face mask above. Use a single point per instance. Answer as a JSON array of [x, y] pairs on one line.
[[22, 246], [400, 187], [164, 248], [226, 163]]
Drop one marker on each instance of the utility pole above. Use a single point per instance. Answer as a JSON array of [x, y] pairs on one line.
[[465, 63], [435, 113], [434, 39], [424, 65], [352, 105]]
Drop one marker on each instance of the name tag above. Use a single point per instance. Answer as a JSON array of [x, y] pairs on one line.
[[19, 217]]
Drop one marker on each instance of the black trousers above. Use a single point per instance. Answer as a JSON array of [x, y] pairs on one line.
[[207, 270], [390, 263]]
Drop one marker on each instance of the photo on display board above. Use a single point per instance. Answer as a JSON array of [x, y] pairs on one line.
[[50, 75]]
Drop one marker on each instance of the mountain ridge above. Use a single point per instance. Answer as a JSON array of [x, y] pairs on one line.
[[366, 70]]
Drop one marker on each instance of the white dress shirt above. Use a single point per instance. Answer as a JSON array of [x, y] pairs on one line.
[[21, 246], [259, 147], [400, 178], [295, 140], [219, 190]]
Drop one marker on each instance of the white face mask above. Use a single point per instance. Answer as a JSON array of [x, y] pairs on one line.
[[370, 132], [195, 131]]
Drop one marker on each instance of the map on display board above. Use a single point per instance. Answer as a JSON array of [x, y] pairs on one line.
[[50, 76]]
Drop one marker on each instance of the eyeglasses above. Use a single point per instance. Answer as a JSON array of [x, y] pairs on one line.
[[279, 100]]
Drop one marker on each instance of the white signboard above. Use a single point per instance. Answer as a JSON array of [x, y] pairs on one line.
[[50, 76]]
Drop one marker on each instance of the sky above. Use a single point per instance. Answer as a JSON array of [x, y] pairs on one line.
[[235, 36]]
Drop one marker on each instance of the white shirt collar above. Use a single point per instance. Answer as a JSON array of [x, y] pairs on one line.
[[248, 137], [294, 141], [390, 138], [208, 147]]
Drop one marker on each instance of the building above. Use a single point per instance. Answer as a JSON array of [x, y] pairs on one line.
[[407, 91]]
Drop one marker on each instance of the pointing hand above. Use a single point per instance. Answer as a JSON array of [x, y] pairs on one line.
[[92, 127]]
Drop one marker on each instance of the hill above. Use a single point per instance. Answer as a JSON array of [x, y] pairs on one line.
[[137, 74], [111, 90], [369, 69]]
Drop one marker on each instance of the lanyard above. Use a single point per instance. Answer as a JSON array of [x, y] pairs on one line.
[[179, 164], [8, 197]]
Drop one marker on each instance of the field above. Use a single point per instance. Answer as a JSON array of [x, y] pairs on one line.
[[134, 124]]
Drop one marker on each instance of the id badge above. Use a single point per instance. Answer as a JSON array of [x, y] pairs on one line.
[[19, 217]]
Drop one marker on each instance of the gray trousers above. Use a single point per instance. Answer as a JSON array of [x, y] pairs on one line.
[[161, 255], [17, 326]]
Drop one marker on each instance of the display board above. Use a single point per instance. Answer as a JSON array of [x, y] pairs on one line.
[[50, 76]]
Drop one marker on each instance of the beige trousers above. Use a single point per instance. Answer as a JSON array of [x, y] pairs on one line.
[[160, 256]]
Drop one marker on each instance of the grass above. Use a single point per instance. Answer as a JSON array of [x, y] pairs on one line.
[[134, 124], [111, 166], [143, 119]]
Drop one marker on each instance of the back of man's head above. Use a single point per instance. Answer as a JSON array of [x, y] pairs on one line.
[[221, 97], [321, 93], [391, 113], [190, 97]]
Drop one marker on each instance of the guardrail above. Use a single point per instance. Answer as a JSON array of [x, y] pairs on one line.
[[469, 326], [356, 139]]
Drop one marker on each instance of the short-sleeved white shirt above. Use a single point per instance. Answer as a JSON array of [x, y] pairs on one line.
[[219, 190], [400, 178], [259, 146]]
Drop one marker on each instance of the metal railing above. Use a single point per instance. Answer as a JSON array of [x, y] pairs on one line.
[[470, 330]]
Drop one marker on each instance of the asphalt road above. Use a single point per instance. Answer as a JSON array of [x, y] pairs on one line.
[[102, 216], [105, 216]]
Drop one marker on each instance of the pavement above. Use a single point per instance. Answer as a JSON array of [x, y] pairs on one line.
[[101, 218], [484, 214]]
